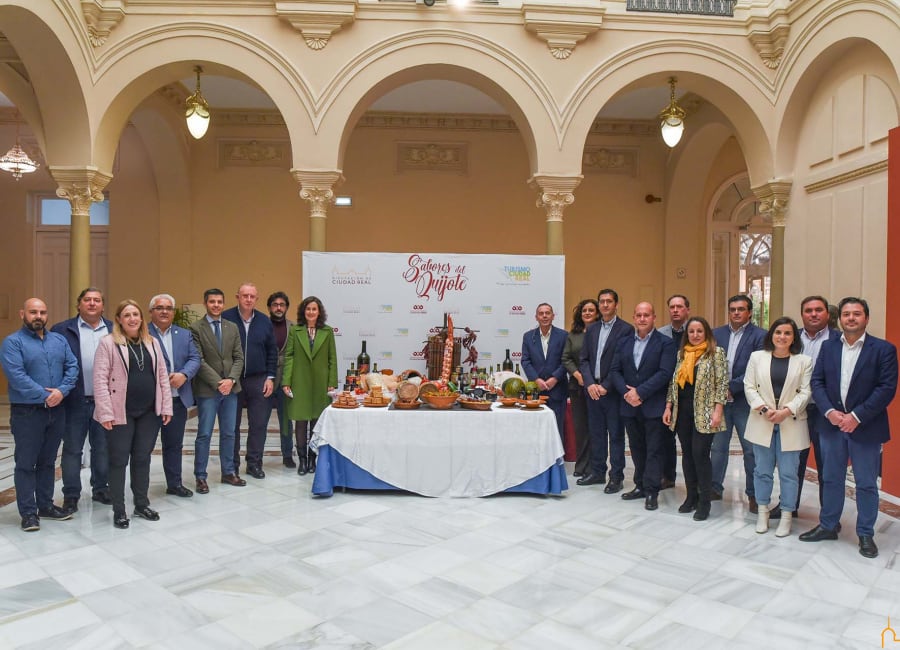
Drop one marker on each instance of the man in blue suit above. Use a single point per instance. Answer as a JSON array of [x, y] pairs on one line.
[[641, 372], [606, 431], [258, 380], [182, 363], [854, 381], [83, 333], [740, 338], [814, 312], [542, 350]]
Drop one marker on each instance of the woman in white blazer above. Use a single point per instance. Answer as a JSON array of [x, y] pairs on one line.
[[776, 385]]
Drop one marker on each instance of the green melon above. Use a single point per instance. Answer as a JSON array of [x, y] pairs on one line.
[[531, 388], [513, 386]]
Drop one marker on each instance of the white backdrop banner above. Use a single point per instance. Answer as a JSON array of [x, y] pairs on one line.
[[395, 301]]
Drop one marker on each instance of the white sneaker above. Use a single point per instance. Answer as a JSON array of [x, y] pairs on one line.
[[784, 526], [762, 519]]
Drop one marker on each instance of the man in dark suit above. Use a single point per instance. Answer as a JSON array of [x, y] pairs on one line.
[[814, 312], [182, 362], [258, 380], [542, 350], [216, 387], [606, 431], [740, 338], [641, 372], [278, 304], [83, 334], [679, 312], [854, 381]]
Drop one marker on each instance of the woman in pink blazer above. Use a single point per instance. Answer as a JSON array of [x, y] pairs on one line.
[[131, 394]]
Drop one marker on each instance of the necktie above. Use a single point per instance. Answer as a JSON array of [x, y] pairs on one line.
[[217, 328]]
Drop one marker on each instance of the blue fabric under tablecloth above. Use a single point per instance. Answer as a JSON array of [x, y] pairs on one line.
[[334, 470]]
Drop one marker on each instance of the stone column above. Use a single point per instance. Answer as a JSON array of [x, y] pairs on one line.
[[317, 188], [773, 205], [81, 186], [556, 192]]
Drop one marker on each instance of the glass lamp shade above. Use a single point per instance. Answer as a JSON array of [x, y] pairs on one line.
[[671, 131], [17, 162], [197, 116]]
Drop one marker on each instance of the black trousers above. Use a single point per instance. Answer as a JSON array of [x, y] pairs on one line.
[[303, 430], [172, 435], [812, 419], [645, 439], [670, 456], [695, 449], [259, 409], [579, 399], [133, 440]]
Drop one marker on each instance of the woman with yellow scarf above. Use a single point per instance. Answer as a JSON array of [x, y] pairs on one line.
[[695, 409]]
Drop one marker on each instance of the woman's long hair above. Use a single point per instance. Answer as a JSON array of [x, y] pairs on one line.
[[796, 344], [707, 331], [118, 333], [578, 325], [301, 312]]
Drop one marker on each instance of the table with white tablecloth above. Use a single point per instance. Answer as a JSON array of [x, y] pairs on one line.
[[456, 453]]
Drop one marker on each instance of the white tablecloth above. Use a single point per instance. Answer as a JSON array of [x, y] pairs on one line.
[[439, 453]]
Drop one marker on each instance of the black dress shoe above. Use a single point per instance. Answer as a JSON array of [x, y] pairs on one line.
[[70, 505], [102, 497], [302, 466], [867, 546], [147, 513], [818, 534], [120, 520], [577, 474], [54, 513], [666, 483], [591, 479], [702, 512], [234, 479], [715, 496], [636, 493], [651, 503], [312, 463], [202, 486], [688, 505], [256, 471], [612, 487], [288, 462], [776, 513], [179, 491]]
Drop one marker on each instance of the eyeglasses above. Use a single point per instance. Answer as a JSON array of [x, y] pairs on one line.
[[163, 309], [278, 304]]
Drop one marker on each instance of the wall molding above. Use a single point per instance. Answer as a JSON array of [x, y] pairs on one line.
[[846, 177]]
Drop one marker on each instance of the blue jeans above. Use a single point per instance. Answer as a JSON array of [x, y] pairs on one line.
[[284, 425], [80, 424], [37, 432], [225, 406], [764, 471], [865, 458], [736, 415]]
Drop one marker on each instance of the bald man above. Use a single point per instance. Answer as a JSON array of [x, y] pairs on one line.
[[641, 371], [41, 370]]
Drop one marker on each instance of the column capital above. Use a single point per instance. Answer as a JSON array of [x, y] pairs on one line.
[[773, 201], [556, 193], [317, 188], [80, 186]]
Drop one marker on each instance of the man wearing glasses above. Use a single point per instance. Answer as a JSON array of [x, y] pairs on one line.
[[182, 363], [278, 304]]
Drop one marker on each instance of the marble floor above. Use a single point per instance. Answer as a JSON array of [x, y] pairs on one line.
[[269, 566]]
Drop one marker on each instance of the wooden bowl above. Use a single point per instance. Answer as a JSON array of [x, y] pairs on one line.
[[508, 401], [428, 388], [531, 403], [440, 401], [543, 398]]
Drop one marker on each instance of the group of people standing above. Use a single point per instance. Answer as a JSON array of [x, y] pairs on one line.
[[119, 383], [782, 390]]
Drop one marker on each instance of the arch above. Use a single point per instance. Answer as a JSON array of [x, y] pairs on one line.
[[151, 59], [735, 87], [421, 55], [52, 100], [811, 58]]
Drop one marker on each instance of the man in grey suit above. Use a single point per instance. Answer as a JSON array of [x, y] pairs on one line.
[[216, 387]]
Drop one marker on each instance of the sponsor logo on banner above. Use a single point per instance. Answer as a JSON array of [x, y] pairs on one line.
[[417, 355], [337, 330], [401, 331], [517, 274], [516, 356], [352, 277], [418, 309], [517, 310], [502, 332], [385, 309], [485, 356], [486, 309], [351, 309], [434, 330], [367, 332], [433, 277], [387, 355]]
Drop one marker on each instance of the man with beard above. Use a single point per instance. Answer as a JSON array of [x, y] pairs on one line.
[[278, 304], [41, 370]]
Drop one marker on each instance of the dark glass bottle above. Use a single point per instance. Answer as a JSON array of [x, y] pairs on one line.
[[362, 361], [507, 361], [518, 372]]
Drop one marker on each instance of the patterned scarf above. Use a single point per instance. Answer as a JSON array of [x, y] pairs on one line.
[[692, 354]]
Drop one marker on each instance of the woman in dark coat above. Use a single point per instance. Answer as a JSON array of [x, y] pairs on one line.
[[310, 371], [585, 312]]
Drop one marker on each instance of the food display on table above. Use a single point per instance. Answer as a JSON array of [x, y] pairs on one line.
[[530, 404], [345, 400], [440, 400], [474, 404], [376, 398]]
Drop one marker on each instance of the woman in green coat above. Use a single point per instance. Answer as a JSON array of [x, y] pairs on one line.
[[310, 371]]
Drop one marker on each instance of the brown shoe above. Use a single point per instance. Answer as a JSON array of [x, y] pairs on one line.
[[753, 506], [202, 486], [234, 479]]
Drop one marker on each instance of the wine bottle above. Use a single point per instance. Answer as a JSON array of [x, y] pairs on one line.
[[351, 371], [507, 361], [362, 360], [375, 367], [518, 372]]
